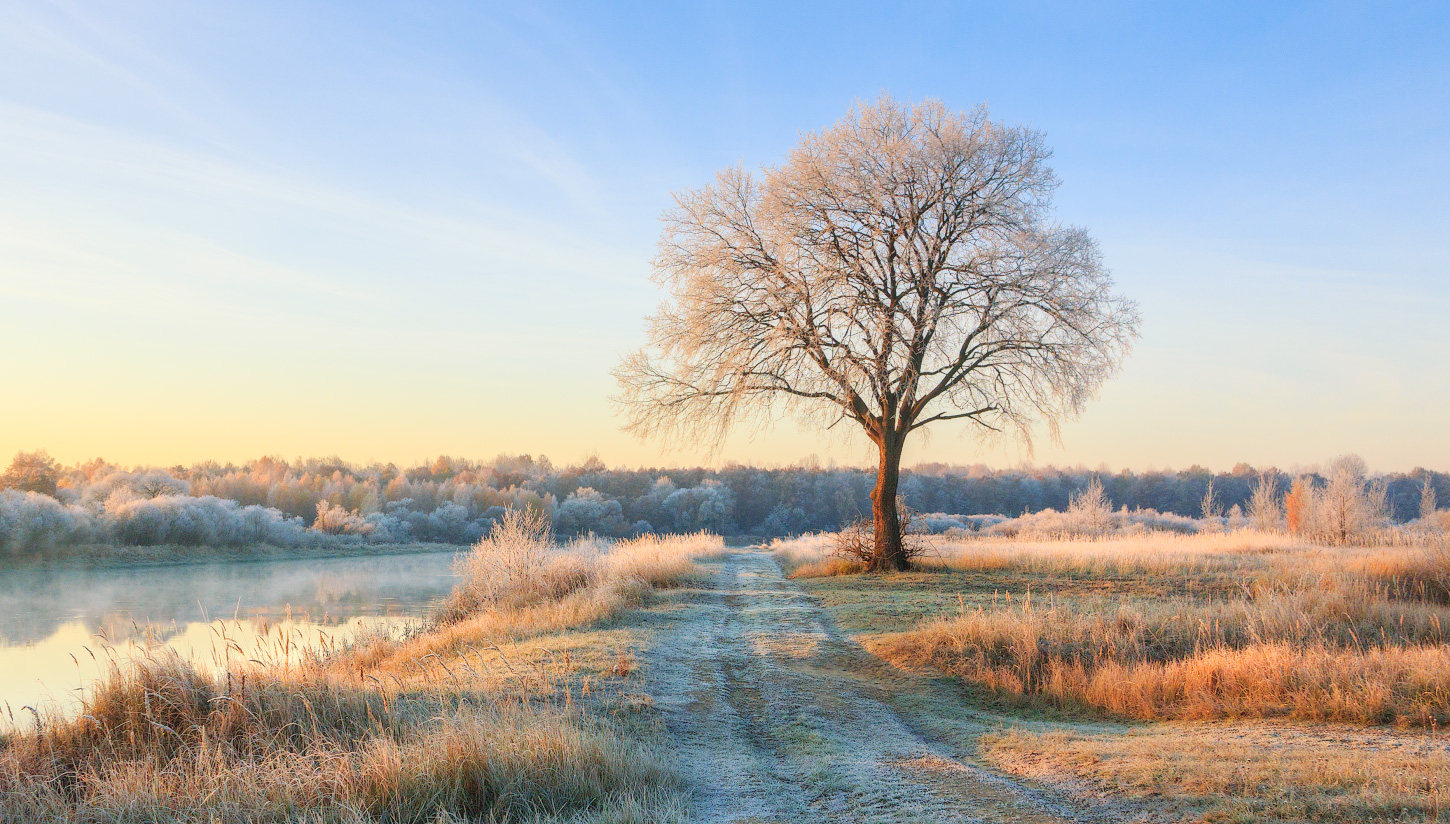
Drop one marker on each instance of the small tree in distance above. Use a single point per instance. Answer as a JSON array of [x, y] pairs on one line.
[[900, 269], [1297, 504], [1209, 507], [1091, 511], [1264, 510]]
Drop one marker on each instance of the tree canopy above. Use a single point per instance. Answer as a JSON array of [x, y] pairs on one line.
[[900, 269]]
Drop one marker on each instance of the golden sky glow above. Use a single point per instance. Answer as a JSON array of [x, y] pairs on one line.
[[374, 237]]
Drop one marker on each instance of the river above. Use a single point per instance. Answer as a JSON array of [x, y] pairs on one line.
[[60, 626]]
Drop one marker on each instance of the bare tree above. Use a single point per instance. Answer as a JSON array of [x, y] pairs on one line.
[[1264, 509], [1349, 507], [900, 269], [1209, 506], [1091, 511]]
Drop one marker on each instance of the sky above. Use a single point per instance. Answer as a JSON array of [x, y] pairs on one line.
[[392, 231]]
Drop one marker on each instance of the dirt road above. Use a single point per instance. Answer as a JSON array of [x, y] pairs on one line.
[[774, 720]]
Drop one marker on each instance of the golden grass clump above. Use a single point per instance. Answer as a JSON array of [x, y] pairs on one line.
[[519, 582]]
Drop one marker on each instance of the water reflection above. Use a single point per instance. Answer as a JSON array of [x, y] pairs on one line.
[[55, 624]]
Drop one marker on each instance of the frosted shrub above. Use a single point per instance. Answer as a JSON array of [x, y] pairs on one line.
[[30, 520], [1090, 513], [1050, 524], [205, 521], [937, 523], [784, 521], [1438, 521], [518, 568], [450, 523], [336, 520], [709, 506], [507, 565], [1236, 520], [587, 510], [1347, 509], [1266, 514]]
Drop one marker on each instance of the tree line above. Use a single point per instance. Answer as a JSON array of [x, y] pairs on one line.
[[457, 500]]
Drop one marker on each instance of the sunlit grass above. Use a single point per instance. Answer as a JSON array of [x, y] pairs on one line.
[[1243, 772], [1231, 676], [1241, 624]]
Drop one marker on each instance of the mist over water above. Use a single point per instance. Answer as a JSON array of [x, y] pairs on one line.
[[57, 623]]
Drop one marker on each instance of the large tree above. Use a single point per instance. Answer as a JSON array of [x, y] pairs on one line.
[[901, 268]]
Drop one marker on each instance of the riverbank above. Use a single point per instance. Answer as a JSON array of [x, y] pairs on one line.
[[516, 701], [102, 556], [99, 556]]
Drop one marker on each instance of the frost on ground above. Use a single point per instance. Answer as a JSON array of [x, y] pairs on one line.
[[769, 723]]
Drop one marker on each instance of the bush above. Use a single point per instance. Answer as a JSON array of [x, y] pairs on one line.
[[205, 521], [30, 521]]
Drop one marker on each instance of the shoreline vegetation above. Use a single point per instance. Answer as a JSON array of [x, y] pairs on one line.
[[487, 711]]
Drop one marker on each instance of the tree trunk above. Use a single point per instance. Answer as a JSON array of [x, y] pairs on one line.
[[889, 555]]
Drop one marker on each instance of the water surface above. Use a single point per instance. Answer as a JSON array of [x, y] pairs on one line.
[[59, 626]]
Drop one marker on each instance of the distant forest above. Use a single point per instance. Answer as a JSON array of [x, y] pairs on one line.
[[454, 500]]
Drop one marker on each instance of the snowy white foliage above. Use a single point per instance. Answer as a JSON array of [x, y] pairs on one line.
[[329, 502], [587, 511], [1093, 522], [32, 520], [937, 523], [204, 521]]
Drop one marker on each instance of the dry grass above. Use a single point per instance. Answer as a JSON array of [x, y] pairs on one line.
[[1400, 684], [448, 723], [1212, 638], [521, 582], [1170, 626], [1418, 569], [163, 742], [1244, 773]]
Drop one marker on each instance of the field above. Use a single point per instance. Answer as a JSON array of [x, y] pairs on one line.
[[1222, 676], [1236, 676]]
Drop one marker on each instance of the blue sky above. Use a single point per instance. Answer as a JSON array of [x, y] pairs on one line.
[[390, 231]]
